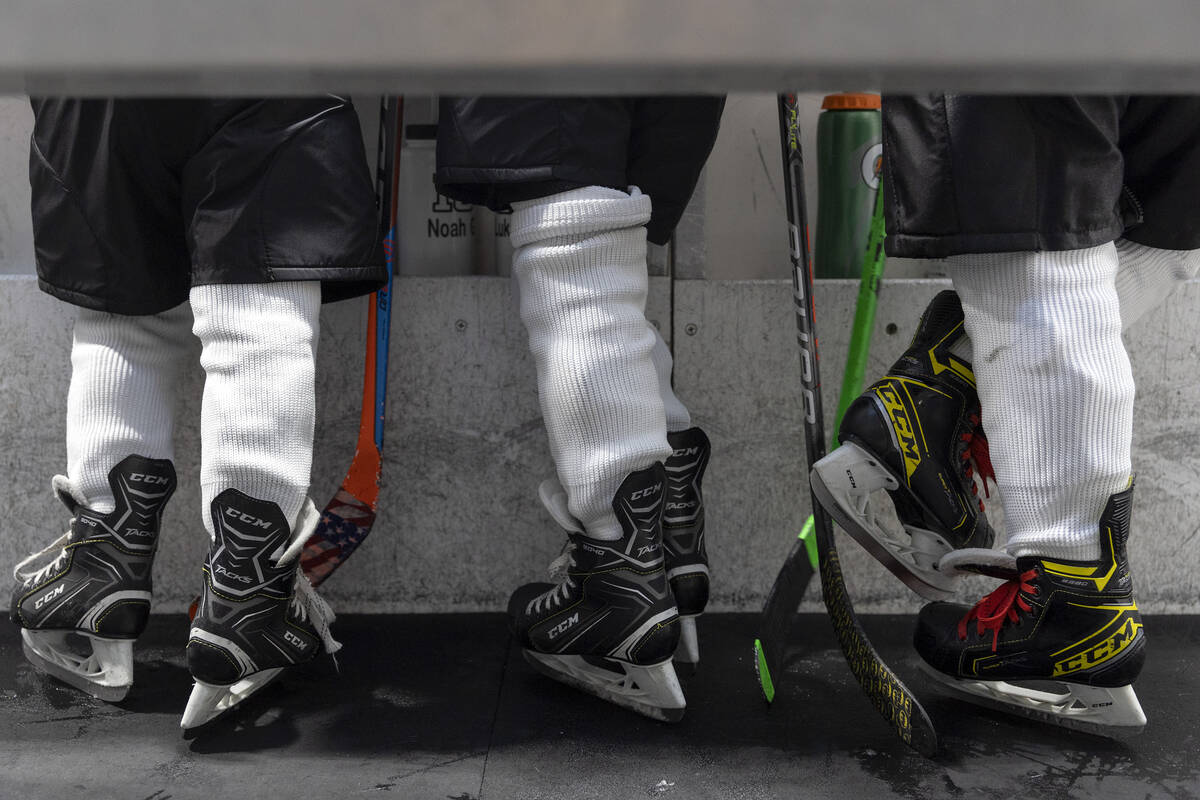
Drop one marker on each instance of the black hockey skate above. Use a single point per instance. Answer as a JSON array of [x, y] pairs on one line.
[[1074, 624], [916, 433], [257, 614], [683, 535], [610, 626], [81, 611]]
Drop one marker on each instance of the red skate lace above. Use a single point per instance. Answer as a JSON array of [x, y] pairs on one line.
[[976, 456], [1001, 606]]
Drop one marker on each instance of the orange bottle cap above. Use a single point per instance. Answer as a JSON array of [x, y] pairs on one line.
[[850, 101]]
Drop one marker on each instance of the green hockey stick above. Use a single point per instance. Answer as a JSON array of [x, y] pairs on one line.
[[864, 314]]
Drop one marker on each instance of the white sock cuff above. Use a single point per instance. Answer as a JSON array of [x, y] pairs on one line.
[[1147, 275], [578, 212]]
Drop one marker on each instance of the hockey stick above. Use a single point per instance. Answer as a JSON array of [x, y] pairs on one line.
[[347, 519], [864, 313], [889, 696], [770, 648]]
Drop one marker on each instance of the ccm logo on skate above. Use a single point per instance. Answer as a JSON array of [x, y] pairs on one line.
[[641, 494], [685, 451], [153, 480], [247, 518], [224, 573], [294, 640], [41, 601], [905, 437], [562, 626], [1101, 652]]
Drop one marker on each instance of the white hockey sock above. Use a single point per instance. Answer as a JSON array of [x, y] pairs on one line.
[[580, 266], [678, 418], [1056, 389], [1148, 274], [122, 397], [256, 426]]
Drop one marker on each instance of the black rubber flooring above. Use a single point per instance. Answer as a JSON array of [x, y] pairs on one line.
[[444, 707]]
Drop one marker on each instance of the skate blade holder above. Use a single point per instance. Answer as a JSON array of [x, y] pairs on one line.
[[650, 690], [1111, 712], [100, 667], [844, 482]]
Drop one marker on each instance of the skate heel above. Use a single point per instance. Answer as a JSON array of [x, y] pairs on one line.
[[843, 482], [209, 701], [124, 615], [105, 673], [688, 651], [689, 587]]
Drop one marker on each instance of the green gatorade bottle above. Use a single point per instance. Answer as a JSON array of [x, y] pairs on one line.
[[849, 161]]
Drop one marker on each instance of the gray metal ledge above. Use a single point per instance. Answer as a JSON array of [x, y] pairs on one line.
[[584, 46]]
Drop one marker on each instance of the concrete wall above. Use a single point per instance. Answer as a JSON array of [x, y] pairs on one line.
[[460, 523]]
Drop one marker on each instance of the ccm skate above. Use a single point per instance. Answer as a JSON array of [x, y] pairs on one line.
[[81, 611], [683, 535], [610, 626], [916, 434], [257, 614], [1072, 627]]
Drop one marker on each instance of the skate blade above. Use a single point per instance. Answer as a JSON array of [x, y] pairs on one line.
[[843, 482], [209, 701], [1111, 712], [688, 651], [106, 673], [652, 691]]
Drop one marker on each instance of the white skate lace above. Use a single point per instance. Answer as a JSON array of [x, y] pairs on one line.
[[308, 605], [554, 498], [47, 569], [560, 571]]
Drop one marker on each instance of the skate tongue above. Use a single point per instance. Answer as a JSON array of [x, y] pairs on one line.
[[66, 493], [978, 561], [306, 523], [554, 498]]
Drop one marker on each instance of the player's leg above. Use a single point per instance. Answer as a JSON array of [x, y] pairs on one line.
[[1037, 278], [579, 231], [302, 228], [102, 217]]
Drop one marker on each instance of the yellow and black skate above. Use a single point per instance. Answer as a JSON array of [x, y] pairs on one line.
[[916, 434], [1071, 627]]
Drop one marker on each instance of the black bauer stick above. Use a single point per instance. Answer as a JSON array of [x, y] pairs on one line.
[[888, 694]]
